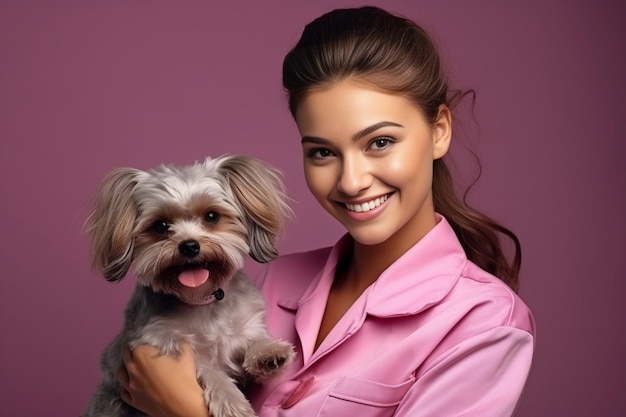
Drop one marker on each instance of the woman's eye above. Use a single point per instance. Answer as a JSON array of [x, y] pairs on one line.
[[161, 227], [319, 153], [212, 217], [381, 143]]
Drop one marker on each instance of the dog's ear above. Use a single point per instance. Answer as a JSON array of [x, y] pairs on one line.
[[112, 222], [259, 189]]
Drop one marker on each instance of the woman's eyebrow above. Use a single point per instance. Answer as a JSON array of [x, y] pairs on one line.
[[315, 140], [358, 135], [373, 128]]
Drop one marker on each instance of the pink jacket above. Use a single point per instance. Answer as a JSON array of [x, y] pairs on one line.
[[434, 336]]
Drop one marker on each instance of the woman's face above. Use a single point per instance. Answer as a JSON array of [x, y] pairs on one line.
[[368, 160]]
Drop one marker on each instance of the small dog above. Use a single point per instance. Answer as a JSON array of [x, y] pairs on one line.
[[186, 231]]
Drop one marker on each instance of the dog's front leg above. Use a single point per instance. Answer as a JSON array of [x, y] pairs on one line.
[[222, 396], [267, 357]]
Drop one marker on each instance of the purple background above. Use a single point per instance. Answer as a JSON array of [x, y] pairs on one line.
[[88, 86]]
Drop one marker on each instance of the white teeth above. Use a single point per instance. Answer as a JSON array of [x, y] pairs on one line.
[[367, 206]]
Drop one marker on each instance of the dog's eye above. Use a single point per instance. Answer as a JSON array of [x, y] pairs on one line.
[[212, 217], [161, 227]]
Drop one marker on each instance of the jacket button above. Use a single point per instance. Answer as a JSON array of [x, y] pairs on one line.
[[297, 394]]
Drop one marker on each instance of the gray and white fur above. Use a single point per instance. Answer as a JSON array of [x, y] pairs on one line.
[[175, 226]]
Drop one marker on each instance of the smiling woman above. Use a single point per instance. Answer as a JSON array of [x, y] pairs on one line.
[[409, 313], [376, 146]]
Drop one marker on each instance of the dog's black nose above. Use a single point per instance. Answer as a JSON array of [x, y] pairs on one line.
[[189, 248]]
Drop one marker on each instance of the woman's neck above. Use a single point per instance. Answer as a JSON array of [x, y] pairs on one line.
[[363, 264]]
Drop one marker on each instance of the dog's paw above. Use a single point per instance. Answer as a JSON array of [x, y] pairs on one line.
[[264, 359], [274, 363]]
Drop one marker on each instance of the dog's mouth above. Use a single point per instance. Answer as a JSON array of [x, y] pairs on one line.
[[193, 284], [193, 276]]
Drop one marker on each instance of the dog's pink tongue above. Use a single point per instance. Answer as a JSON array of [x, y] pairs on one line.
[[193, 277]]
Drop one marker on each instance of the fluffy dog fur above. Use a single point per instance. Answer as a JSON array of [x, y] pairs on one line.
[[174, 225]]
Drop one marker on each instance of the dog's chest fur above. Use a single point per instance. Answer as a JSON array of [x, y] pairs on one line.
[[218, 332]]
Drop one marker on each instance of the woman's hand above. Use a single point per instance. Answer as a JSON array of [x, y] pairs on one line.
[[161, 386]]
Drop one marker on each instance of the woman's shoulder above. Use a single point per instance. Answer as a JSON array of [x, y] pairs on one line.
[[490, 297]]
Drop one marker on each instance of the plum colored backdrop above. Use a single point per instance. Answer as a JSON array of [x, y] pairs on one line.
[[87, 86]]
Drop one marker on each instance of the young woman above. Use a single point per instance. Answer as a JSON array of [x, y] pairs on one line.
[[414, 311]]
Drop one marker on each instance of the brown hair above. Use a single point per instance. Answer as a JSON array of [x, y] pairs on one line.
[[396, 55]]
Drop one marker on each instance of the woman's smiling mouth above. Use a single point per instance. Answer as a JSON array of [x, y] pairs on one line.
[[367, 206]]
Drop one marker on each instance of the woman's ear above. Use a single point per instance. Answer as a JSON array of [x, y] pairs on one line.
[[442, 132]]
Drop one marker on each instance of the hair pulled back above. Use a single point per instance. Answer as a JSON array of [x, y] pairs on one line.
[[397, 56]]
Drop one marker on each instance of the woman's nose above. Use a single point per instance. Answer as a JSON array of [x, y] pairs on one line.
[[354, 177]]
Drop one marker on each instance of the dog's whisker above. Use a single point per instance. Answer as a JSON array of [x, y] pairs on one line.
[[157, 266]]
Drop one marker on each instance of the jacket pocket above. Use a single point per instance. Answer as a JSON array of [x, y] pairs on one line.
[[362, 398]]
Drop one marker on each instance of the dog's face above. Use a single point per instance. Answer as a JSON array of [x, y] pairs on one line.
[[190, 236], [186, 230]]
